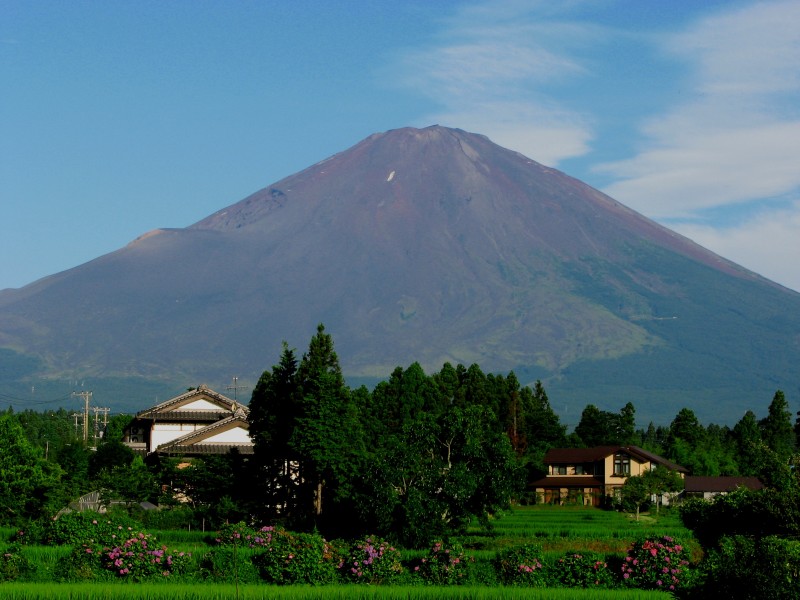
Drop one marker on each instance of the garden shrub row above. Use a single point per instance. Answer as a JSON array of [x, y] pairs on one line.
[[105, 550]]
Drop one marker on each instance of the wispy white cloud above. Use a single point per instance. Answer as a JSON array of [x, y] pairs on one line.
[[738, 138], [486, 69], [768, 244]]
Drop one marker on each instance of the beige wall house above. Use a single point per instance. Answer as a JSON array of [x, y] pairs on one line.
[[589, 476], [200, 421]]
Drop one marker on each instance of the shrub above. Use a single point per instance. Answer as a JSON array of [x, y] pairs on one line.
[[13, 565], [657, 564], [139, 557], [444, 564], [82, 564], [373, 561], [243, 535], [742, 567], [229, 564], [297, 558], [88, 527], [580, 570], [521, 566]]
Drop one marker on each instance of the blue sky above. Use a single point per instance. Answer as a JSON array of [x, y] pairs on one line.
[[121, 117]]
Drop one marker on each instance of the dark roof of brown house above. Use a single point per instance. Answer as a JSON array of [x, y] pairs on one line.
[[698, 484], [574, 456]]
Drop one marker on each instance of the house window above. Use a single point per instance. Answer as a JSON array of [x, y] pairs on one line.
[[579, 470], [560, 470], [622, 464]]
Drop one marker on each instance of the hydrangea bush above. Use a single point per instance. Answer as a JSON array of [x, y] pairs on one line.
[[521, 566], [656, 563], [13, 564], [242, 535], [297, 558], [581, 570], [139, 557], [445, 564], [88, 527], [372, 560]]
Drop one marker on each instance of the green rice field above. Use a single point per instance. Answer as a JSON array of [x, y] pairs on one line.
[[38, 591], [562, 528]]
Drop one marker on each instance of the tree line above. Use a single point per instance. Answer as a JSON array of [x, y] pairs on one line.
[[416, 458]]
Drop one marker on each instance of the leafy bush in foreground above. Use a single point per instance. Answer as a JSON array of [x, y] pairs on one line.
[[86, 528], [445, 564], [297, 558], [139, 557], [373, 561], [13, 565], [656, 564], [521, 566], [747, 568], [581, 570]]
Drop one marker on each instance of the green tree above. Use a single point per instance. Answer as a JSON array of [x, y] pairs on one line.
[[130, 483], [602, 428], [438, 472], [115, 428], [626, 425], [594, 428], [109, 456], [26, 478], [650, 485], [746, 436], [273, 417], [776, 428], [634, 493], [662, 481], [327, 438]]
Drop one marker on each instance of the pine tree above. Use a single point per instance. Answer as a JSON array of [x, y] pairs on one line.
[[776, 428], [272, 420], [328, 438]]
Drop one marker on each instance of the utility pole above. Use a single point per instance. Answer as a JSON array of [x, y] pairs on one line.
[[76, 415], [86, 397], [97, 410], [235, 387]]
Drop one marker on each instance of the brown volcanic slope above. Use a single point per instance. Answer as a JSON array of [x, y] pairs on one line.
[[431, 245]]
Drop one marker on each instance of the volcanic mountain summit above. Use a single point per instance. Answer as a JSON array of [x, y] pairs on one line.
[[426, 245]]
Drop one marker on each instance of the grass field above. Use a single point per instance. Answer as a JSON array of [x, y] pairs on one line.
[[37, 591], [559, 527]]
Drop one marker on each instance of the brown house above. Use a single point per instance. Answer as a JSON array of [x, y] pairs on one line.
[[590, 476], [708, 487]]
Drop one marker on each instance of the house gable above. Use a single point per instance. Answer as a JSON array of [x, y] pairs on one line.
[[219, 438], [187, 421]]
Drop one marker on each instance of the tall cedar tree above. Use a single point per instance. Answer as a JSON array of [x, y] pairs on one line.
[[776, 428], [273, 417], [327, 438]]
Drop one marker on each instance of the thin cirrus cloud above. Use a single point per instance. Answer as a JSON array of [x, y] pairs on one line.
[[768, 240], [738, 140], [485, 70]]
